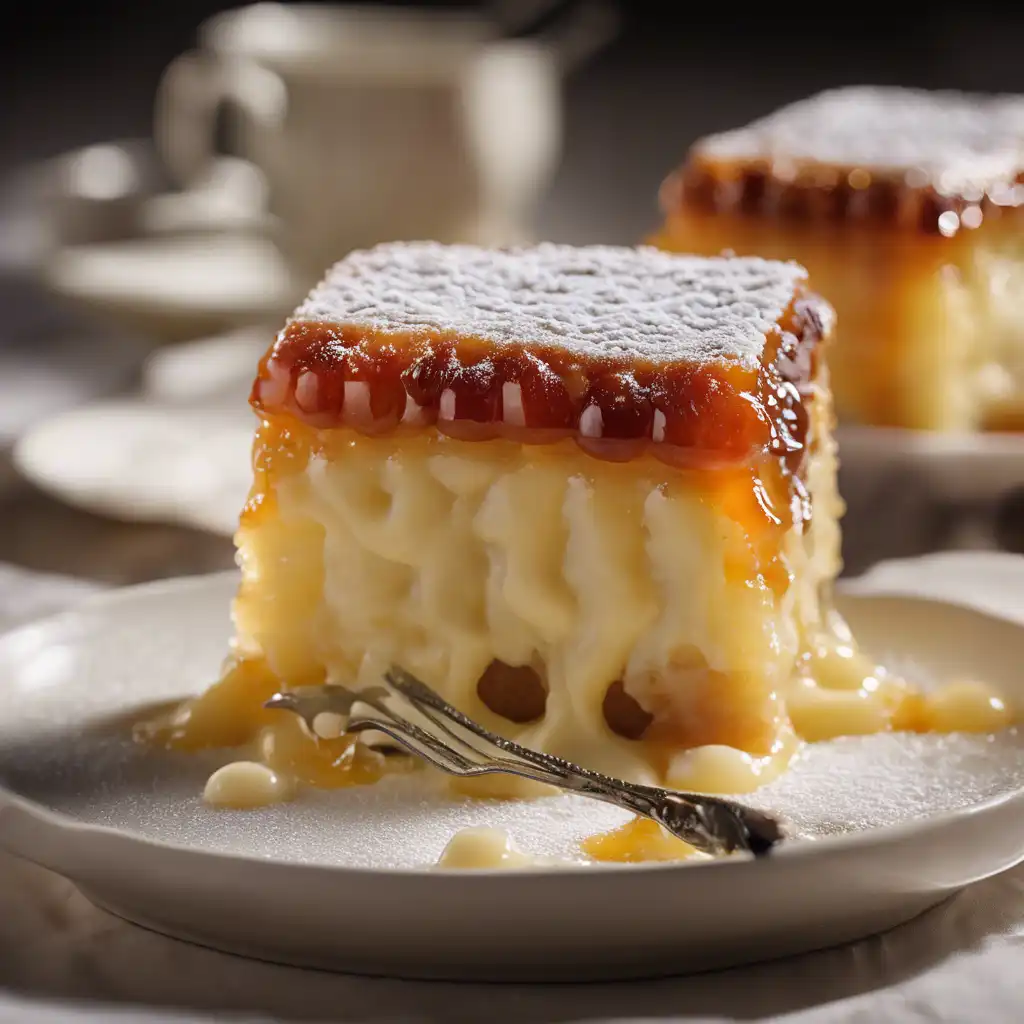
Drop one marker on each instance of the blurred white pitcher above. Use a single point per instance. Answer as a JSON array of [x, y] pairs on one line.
[[371, 124]]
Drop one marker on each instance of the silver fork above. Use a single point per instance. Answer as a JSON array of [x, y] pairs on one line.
[[414, 716]]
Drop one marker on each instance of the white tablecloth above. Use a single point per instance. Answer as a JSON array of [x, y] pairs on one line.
[[63, 960]]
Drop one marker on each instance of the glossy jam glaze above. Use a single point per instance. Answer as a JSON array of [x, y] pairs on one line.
[[328, 375], [823, 193], [638, 841]]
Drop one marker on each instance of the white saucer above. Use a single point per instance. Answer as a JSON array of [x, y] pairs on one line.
[[952, 467], [342, 880], [137, 461], [43, 377], [217, 370], [178, 452], [176, 286], [988, 581]]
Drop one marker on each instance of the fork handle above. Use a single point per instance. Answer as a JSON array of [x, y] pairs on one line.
[[685, 818]]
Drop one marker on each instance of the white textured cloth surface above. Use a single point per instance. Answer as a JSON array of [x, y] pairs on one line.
[[61, 960]]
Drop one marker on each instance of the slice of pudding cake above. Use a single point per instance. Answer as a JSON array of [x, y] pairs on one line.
[[587, 494], [906, 206]]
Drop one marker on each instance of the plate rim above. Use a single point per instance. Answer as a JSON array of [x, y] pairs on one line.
[[54, 276], [933, 443], [836, 845], [36, 471]]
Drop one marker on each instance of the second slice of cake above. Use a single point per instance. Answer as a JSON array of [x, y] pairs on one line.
[[587, 494], [907, 208]]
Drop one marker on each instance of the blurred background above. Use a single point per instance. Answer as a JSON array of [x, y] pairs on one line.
[[159, 215]]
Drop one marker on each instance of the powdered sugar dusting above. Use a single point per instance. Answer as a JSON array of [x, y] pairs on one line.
[[594, 300], [865, 782], [955, 139]]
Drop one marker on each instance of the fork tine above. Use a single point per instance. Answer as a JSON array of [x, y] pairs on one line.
[[421, 697], [438, 754], [418, 741], [444, 756], [398, 727], [506, 751], [402, 722], [442, 717], [444, 725], [480, 746]]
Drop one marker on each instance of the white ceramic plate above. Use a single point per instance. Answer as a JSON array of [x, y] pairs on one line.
[[133, 460], [343, 881], [217, 370], [42, 377], [176, 286], [953, 467], [178, 452], [988, 581]]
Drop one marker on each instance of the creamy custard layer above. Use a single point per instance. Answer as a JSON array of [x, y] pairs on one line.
[[428, 561], [687, 594]]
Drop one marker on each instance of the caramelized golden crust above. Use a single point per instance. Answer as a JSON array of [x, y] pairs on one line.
[[816, 193], [327, 374], [925, 162]]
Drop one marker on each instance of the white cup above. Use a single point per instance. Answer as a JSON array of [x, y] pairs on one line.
[[370, 124]]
